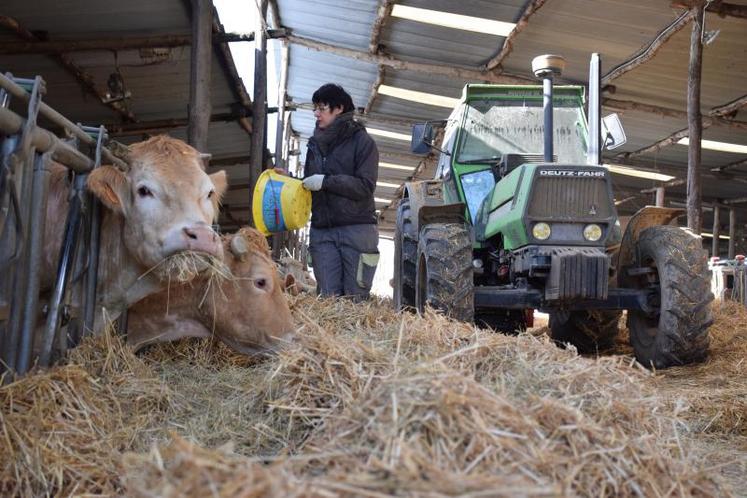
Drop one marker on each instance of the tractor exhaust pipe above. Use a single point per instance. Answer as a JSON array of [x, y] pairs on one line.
[[594, 151], [547, 67]]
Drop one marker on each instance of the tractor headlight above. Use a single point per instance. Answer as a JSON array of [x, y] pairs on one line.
[[541, 231], [592, 232]]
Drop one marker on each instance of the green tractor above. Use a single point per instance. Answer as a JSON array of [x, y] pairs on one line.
[[521, 216]]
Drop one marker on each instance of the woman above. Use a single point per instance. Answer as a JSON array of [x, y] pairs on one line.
[[341, 170]]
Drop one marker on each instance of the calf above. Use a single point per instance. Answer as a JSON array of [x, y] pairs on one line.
[[163, 205], [249, 312]]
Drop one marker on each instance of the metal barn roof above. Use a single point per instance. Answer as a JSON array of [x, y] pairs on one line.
[[358, 43]]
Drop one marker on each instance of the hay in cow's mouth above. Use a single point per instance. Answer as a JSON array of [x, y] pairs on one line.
[[371, 403], [185, 266]]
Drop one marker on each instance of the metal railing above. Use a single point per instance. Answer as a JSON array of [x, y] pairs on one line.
[[26, 154]]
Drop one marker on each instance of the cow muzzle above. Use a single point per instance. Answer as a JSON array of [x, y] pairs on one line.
[[197, 238]]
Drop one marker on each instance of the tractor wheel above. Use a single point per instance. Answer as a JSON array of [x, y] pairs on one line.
[[444, 270], [506, 321], [405, 256], [671, 263], [590, 331]]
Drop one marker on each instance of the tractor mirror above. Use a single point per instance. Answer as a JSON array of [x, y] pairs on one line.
[[613, 134], [422, 138]]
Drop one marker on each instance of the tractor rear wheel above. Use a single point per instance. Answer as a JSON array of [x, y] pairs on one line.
[[405, 257], [444, 270], [671, 263], [591, 331]]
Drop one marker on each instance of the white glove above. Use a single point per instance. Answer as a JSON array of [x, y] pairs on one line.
[[313, 183]]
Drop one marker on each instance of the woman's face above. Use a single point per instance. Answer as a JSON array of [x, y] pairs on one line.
[[324, 115]]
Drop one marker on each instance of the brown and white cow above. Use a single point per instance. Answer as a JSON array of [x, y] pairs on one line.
[[163, 205], [249, 312]]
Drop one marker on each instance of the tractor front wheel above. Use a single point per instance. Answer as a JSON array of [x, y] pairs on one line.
[[590, 331], [670, 262], [444, 270], [405, 256]]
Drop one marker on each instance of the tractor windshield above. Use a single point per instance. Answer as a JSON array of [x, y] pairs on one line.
[[496, 127]]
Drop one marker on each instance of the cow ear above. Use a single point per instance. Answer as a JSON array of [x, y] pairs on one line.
[[110, 185], [220, 183], [289, 284]]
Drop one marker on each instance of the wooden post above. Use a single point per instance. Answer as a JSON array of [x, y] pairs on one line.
[[259, 104], [660, 196], [695, 122], [282, 95], [716, 230], [199, 81], [732, 232]]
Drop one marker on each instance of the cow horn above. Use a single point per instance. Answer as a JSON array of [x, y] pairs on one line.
[[238, 246]]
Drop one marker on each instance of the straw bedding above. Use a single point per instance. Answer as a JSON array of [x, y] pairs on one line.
[[373, 403]]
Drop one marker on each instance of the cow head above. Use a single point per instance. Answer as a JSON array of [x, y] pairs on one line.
[[252, 315], [166, 199]]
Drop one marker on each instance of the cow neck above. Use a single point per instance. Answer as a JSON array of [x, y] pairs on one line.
[[121, 279]]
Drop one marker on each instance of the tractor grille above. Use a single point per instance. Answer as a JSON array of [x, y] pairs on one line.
[[563, 198]]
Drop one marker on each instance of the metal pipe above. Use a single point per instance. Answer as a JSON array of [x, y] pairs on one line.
[[55, 117], [64, 269], [94, 247], [44, 141], [35, 244], [716, 230], [594, 150], [547, 105], [732, 232]]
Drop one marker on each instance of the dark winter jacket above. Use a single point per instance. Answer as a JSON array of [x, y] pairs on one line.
[[351, 169]]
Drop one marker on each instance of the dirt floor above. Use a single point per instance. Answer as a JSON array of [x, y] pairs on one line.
[[368, 402]]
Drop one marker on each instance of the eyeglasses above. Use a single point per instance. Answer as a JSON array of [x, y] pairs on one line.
[[321, 108]]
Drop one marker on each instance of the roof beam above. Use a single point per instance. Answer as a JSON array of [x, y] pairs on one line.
[[650, 50], [122, 43], [225, 59], [713, 116], [382, 15], [84, 79], [718, 7], [628, 105], [725, 167], [508, 43], [456, 72], [161, 125]]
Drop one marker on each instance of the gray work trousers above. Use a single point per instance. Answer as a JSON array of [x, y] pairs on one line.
[[344, 259]]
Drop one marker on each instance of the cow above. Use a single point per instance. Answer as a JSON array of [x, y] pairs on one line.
[[163, 205], [248, 311]]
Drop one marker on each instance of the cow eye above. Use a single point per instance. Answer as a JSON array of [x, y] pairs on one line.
[[260, 283], [144, 191], [210, 194]]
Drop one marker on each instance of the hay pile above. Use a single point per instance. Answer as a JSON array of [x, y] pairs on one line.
[[367, 403]]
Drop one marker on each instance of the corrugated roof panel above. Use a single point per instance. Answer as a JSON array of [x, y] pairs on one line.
[[663, 79], [340, 22], [576, 28]]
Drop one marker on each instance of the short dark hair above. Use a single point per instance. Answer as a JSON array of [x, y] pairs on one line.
[[334, 96]]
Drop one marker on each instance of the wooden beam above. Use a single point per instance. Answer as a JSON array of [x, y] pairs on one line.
[[456, 72], [274, 14], [695, 122], [508, 43], [715, 116], [259, 106], [725, 167], [85, 80], [200, 69], [650, 50], [718, 7], [716, 229], [282, 97], [374, 90], [226, 61], [161, 125], [732, 232], [382, 15]]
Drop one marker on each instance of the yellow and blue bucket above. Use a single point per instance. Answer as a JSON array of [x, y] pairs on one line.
[[280, 203]]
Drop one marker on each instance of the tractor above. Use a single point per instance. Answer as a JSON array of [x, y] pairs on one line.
[[521, 216]]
